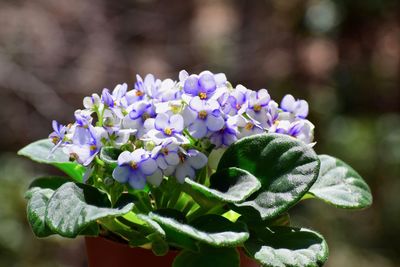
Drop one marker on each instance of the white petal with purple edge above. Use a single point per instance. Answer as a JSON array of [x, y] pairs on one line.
[[161, 122], [288, 103], [302, 109], [189, 116], [214, 123], [124, 158], [176, 123], [197, 104]]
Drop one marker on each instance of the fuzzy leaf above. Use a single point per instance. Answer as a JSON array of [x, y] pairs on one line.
[[285, 167], [285, 246], [39, 151], [73, 208], [228, 185], [38, 197], [211, 229], [340, 185]]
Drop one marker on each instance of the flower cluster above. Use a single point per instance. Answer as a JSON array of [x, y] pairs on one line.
[[167, 127]]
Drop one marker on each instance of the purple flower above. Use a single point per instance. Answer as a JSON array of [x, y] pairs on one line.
[[202, 117], [301, 129], [189, 162], [227, 135], [57, 136], [203, 85], [83, 118], [138, 114], [236, 101], [166, 154], [165, 126], [299, 108], [133, 168], [258, 103], [248, 126], [86, 143], [91, 102], [107, 98]]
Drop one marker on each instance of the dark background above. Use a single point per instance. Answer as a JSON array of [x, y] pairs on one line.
[[341, 56]]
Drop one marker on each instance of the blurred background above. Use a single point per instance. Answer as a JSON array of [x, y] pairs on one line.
[[343, 57]]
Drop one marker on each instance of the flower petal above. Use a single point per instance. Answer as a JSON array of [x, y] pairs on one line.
[[172, 158], [196, 159], [288, 103], [137, 180], [161, 122], [122, 174], [191, 85], [207, 83], [176, 123], [302, 109], [148, 166], [197, 104], [156, 178], [198, 129], [214, 123], [184, 170], [124, 158], [162, 164]]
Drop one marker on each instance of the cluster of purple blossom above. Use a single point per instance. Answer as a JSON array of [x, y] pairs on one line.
[[166, 127]]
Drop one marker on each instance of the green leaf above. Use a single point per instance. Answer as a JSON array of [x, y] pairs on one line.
[[212, 229], [110, 155], [284, 246], [73, 208], [228, 185], [208, 256], [38, 197], [340, 185], [285, 167], [39, 151]]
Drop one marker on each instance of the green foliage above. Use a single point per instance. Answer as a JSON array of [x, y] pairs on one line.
[[39, 151], [286, 246], [228, 185], [285, 167], [258, 180], [340, 185], [73, 208]]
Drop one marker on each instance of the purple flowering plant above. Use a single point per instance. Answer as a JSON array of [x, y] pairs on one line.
[[195, 165]]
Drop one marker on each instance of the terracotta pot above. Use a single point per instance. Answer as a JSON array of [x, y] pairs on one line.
[[102, 252]]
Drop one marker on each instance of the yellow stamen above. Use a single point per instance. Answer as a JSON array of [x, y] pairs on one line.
[[133, 165], [257, 108], [139, 93], [203, 95], [249, 126], [93, 148], [145, 116], [203, 114], [165, 151], [55, 140], [168, 131]]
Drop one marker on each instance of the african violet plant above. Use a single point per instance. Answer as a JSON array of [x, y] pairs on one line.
[[194, 165]]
